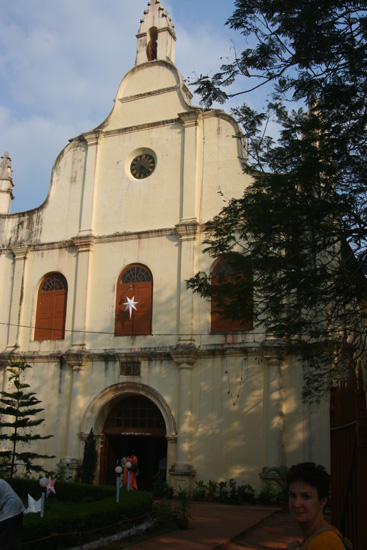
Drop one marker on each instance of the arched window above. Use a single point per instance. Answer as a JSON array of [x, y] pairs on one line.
[[134, 298], [225, 272], [51, 308], [136, 414]]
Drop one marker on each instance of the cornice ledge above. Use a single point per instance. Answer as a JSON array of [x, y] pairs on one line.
[[191, 118], [148, 94], [139, 127], [184, 353], [188, 229], [94, 137], [51, 245], [84, 243], [234, 349], [136, 354], [20, 251], [273, 347], [76, 359], [131, 235], [40, 246], [29, 357]]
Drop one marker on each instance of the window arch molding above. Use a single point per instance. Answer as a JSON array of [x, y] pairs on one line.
[[101, 405], [223, 271], [134, 301], [51, 307]]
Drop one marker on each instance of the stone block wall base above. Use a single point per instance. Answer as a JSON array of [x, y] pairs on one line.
[[181, 476]]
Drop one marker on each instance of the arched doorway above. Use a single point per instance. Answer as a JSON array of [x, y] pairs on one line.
[[134, 424]]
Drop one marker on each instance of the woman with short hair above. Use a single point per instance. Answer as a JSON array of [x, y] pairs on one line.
[[309, 487]]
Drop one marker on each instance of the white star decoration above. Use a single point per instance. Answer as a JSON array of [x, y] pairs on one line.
[[130, 305]]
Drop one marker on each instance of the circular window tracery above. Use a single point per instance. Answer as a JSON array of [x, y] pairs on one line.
[[136, 274], [54, 282]]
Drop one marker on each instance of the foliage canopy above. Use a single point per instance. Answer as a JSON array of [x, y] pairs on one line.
[[303, 220]]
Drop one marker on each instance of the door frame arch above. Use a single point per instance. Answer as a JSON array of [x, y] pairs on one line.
[[97, 411], [99, 408]]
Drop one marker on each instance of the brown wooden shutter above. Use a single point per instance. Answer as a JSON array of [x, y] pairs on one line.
[[51, 308], [219, 323], [139, 287]]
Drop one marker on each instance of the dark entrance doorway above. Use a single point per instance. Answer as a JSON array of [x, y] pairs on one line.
[[135, 424]]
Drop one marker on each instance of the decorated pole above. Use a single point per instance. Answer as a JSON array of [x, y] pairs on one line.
[[67, 469], [118, 471], [43, 483]]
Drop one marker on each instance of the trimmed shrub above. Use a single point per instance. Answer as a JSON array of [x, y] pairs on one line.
[[65, 524], [78, 513], [73, 492]]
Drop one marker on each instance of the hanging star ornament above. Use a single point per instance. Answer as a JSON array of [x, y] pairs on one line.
[[50, 486], [130, 305]]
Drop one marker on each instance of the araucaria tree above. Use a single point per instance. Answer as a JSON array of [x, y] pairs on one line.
[[18, 417], [303, 221]]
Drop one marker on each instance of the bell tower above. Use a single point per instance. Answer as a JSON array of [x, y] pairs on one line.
[[156, 35]]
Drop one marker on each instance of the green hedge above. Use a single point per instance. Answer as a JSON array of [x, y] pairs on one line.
[[74, 492], [79, 513]]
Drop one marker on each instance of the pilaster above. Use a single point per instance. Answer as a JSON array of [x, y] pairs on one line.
[[273, 350], [76, 362], [185, 356], [187, 232], [93, 140], [191, 164], [16, 308], [85, 246]]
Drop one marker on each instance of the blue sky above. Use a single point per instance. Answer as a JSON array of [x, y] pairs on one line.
[[61, 63]]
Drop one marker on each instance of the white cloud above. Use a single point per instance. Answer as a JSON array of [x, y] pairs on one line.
[[61, 63]]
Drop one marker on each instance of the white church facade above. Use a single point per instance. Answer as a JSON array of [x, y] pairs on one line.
[[94, 298]]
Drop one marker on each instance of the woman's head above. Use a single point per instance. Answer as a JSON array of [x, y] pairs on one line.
[[313, 474]]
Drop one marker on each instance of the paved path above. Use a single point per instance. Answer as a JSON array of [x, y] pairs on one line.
[[273, 533], [211, 527]]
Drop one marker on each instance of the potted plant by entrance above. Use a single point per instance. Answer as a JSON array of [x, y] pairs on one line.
[[212, 489], [199, 490], [223, 491], [182, 509], [280, 480], [160, 487]]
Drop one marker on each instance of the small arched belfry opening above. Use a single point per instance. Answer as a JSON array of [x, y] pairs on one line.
[[51, 308], [152, 45], [226, 272], [134, 301]]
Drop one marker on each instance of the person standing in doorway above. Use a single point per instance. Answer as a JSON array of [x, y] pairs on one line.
[[131, 466]]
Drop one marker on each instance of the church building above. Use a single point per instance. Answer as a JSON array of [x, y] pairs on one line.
[[94, 297]]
